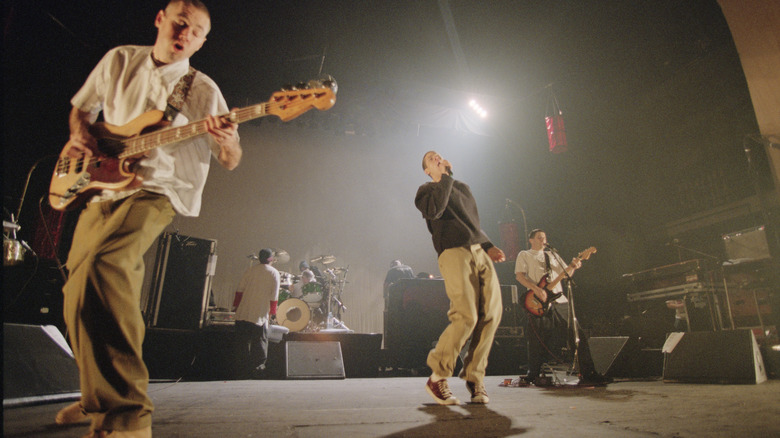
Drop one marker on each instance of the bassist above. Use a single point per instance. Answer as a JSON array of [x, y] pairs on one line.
[[105, 263]]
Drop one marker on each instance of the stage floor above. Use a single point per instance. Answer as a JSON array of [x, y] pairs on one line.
[[400, 407]]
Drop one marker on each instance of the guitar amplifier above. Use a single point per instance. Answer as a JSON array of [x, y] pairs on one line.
[[181, 282]]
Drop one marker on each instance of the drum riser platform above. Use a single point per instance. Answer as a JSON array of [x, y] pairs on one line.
[[214, 353]]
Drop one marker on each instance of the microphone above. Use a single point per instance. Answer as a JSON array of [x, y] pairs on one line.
[[448, 169], [547, 246]]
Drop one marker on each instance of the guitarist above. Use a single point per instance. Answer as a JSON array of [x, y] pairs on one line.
[[546, 334], [105, 263]]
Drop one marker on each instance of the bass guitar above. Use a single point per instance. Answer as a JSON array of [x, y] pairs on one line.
[[75, 180], [537, 307]]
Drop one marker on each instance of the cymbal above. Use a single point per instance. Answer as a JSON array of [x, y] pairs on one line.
[[324, 259], [281, 256]]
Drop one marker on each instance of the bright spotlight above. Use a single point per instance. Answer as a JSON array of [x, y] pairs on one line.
[[477, 108]]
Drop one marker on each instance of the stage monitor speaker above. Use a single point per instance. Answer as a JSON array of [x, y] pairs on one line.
[[605, 352], [38, 366], [728, 356], [623, 356], [361, 351], [181, 281], [313, 360]]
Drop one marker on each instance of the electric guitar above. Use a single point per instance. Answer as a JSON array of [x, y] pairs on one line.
[[75, 180], [534, 305]]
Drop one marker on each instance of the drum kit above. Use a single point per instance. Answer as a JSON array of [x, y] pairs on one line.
[[319, 306]]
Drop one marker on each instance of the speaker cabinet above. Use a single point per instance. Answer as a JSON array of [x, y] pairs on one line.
[[512, 316], [181, 282], [38, 365], [729, 356], [313, 360], [168, 353], [507, 354], [417, 315]]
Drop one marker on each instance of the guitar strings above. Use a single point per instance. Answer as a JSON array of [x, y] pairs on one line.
[[138, 144]]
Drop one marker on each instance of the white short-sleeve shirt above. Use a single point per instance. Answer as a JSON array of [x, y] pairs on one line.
[[126, 84]]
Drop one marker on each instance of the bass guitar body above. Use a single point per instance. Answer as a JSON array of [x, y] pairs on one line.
[[75, 180]]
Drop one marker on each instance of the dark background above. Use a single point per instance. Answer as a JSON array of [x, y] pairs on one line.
[[654, 99]]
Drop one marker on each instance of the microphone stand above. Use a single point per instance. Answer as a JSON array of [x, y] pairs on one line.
[[571, 319]]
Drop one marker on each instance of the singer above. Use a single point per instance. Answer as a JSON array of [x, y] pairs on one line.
[[548, 334], [466, 258]]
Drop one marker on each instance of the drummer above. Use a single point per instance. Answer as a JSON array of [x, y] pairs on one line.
[[318, 277], [308, 289], [307, 276]]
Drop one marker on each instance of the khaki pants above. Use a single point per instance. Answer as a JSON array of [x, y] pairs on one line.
[[102, 306], [475, 311]]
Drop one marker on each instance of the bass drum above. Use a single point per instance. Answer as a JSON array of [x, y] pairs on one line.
[[312, 294], [293, 314]]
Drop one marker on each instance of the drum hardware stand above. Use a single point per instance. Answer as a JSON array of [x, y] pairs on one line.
[[334, 295], [14, 250]]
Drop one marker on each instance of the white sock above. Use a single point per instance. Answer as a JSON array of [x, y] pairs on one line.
[[435, 378]]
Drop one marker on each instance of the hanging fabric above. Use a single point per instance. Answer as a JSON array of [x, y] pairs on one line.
[[556, 133]]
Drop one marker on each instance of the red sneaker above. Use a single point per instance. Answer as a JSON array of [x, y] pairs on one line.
[[478, 392], [440, 391]]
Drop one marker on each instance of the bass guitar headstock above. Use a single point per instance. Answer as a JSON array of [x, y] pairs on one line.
[[294, 100]]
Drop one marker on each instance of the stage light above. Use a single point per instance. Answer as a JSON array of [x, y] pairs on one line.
[[477, 108]]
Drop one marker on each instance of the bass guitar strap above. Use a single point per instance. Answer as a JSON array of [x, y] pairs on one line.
[[547, 267], [179, 95]]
